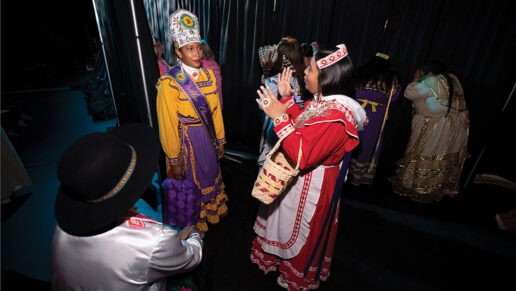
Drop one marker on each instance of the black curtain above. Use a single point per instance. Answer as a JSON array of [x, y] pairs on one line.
[[131, 61], [475, 38]]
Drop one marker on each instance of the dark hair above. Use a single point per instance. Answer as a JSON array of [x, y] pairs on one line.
[[376, 73], [206, 51], [337, 78], [307, 50], [289, 52], [439, 68]]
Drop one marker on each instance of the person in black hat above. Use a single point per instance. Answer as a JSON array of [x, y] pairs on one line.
[[100, 241]]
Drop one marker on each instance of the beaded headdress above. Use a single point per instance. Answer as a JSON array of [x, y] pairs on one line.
[[268, 54], [184, 27], [286, 62], [332, 58]]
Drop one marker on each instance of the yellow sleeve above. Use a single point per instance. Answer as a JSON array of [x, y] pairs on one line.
[[216, 112], [167, 108]]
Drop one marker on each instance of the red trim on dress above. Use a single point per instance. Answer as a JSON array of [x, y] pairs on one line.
[[299, 216]]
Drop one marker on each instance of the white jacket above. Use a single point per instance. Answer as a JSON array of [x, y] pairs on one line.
[[136, 255]]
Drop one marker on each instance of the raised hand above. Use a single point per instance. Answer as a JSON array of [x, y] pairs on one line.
[[284, 79], [417, 76], [270, 104]]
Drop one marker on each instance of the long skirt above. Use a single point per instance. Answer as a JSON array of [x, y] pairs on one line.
[[202, 183], [365, 159], [292, 235]]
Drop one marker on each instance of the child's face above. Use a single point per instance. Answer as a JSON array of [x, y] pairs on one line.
[[190, 54], [311, 77]]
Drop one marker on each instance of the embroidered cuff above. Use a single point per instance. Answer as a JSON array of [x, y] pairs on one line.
[[221, 141], [175, 161], [282, 118], [284, 129]]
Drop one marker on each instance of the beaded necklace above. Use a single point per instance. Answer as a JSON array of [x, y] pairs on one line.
[[316, 108]]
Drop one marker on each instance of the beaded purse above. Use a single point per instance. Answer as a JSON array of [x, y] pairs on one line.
[[183, 203]]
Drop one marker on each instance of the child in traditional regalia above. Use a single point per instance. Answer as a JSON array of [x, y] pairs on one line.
[[432, 166], [273, 59], [191, 132], [296, 233]]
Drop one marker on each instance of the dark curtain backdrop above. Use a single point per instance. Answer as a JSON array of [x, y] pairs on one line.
[[130, 59], [475, 38], [126, 41]]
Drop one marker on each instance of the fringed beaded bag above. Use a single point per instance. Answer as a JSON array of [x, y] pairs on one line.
[[276, 175], [182, 202]]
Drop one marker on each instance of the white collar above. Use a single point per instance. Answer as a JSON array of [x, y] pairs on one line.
[[193, 72], [356, 109]]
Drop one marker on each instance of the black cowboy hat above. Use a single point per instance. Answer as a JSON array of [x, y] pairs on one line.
[[102, 175]]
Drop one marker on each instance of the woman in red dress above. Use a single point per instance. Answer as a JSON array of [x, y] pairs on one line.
[[292, 234]]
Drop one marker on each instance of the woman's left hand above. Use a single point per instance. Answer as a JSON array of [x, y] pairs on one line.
[[270, 104], [220, 151]]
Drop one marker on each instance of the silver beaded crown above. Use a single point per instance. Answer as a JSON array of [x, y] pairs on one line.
[[268, 54]]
